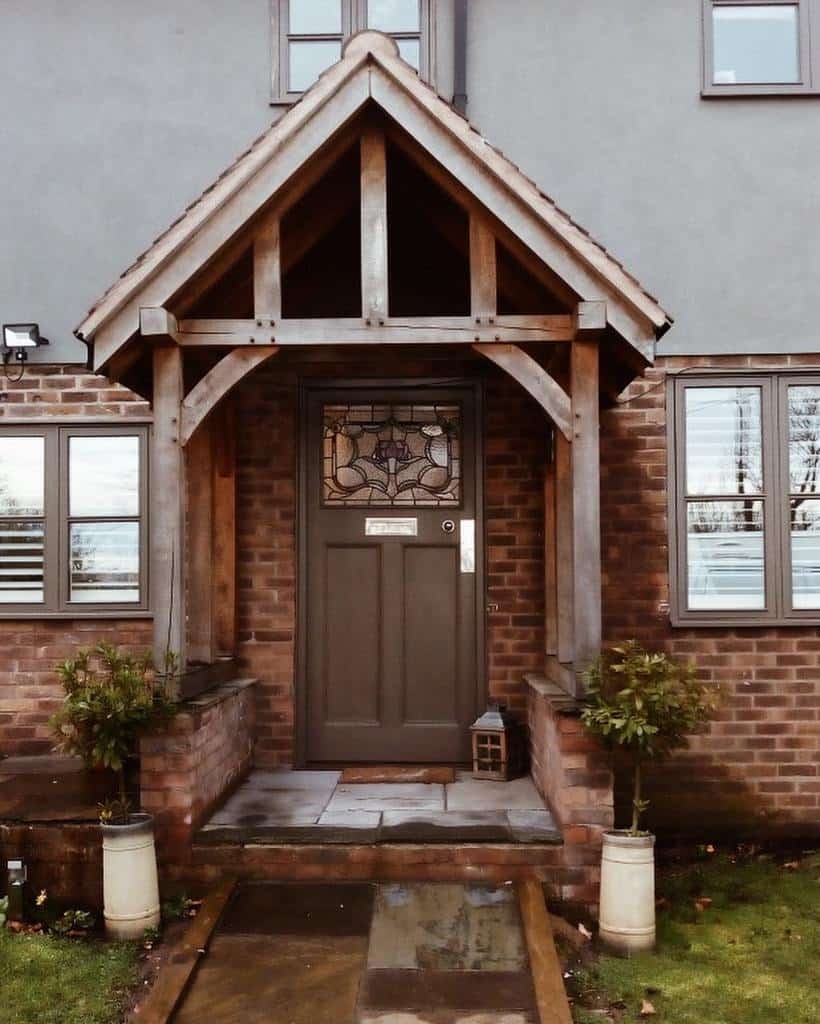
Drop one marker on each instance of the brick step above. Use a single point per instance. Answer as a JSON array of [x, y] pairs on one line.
[[445, 862]]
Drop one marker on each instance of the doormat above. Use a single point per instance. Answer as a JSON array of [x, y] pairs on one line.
[[442, 774]]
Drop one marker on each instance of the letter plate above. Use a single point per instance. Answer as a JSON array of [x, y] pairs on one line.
[[391, 527]]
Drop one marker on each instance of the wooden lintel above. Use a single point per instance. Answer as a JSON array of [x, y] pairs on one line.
[[591, 318], [483, 280], [392, 331], [217, 382], [267, 271], [374, 224], [157, 322], [534, 379]]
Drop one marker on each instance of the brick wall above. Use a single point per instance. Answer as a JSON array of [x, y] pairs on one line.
[[756, 766], [267, 496], [30, 649], [573, 774], [188, 764]]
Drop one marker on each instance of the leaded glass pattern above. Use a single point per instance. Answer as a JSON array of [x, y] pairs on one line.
[[382, 455]]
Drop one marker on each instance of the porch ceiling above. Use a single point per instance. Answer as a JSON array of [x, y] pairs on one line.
[[248, 200]]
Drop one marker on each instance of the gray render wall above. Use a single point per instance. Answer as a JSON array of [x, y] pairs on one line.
[[116, 115]]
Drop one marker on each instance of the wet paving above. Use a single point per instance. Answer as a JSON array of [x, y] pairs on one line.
[[365, 954], [280, 805]]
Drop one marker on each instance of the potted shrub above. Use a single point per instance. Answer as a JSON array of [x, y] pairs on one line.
[[646, 704], [110, 700]]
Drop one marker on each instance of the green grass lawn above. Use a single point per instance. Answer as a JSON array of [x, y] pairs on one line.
[[45, 980], [752, 956]]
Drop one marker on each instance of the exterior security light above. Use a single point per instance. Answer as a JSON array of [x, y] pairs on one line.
[[18, 339]]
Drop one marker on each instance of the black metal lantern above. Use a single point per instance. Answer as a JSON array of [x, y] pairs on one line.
[[499, 749]]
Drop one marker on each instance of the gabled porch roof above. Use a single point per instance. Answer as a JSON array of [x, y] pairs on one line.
[[371, 72]]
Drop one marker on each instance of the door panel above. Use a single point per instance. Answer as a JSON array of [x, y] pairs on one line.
[[390, 617]]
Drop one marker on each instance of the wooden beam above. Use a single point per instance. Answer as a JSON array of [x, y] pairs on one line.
[[565, 574], [267, 272], [217, 382], [157, 322], [374, 225], [586, 491], [392, 331], [223, 579], [167, 508], [199, 481], [547, 973], [483, 283], [534, 379], [591, 319]]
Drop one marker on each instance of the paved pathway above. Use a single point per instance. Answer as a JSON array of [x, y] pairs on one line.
[[365, 954]]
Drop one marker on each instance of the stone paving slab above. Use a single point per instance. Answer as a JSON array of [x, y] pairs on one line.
[[253, 978], [444, 827], [447, 990], [469, 794], [533, 827], [287, 779], [385, 796], [270, 908], [447, 928], [445, 1017], [249, 807]]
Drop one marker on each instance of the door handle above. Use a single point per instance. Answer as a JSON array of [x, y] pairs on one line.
[[467, 545]]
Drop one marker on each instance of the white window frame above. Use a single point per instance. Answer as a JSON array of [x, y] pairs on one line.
[[354, 19], [809, 53]]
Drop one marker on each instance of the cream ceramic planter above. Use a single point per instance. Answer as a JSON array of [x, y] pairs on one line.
[[627, 912], [130, 886]]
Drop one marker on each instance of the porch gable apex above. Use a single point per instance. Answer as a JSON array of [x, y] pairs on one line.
[[370, 72]]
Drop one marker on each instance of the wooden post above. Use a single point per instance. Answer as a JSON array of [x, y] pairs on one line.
[[267, 273], [586, 503], [167, 498], [199, 481], [374, 225], [550, 559], [483, 288], [565, 571], [223, 579]]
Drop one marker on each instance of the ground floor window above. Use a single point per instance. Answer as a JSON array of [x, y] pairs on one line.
[[746, 496], [73, 519]]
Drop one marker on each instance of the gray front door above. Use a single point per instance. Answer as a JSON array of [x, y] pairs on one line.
[[389, 589]]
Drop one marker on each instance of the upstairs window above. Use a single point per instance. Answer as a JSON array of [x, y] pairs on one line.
[[308, 36], [73, 520], [746, 486], [754, 48]]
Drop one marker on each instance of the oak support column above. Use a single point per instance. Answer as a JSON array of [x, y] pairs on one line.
[[200, 524], [565, 562], [167, 507], [586, 505], [223, 580], [374, 225]]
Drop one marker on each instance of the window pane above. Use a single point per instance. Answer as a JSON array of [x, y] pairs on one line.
[[756, 43], [21, 562], [723, 441], [409, 50], [104, 562], [393, 15], [805, 537], [314, 17], [725, 555], [104, 476], [22, 476], [308, 59], [804, 440]]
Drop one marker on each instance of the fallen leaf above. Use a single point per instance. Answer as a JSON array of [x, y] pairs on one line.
[[792, 865], [584, 931], [647, 1009], [702, 903]]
